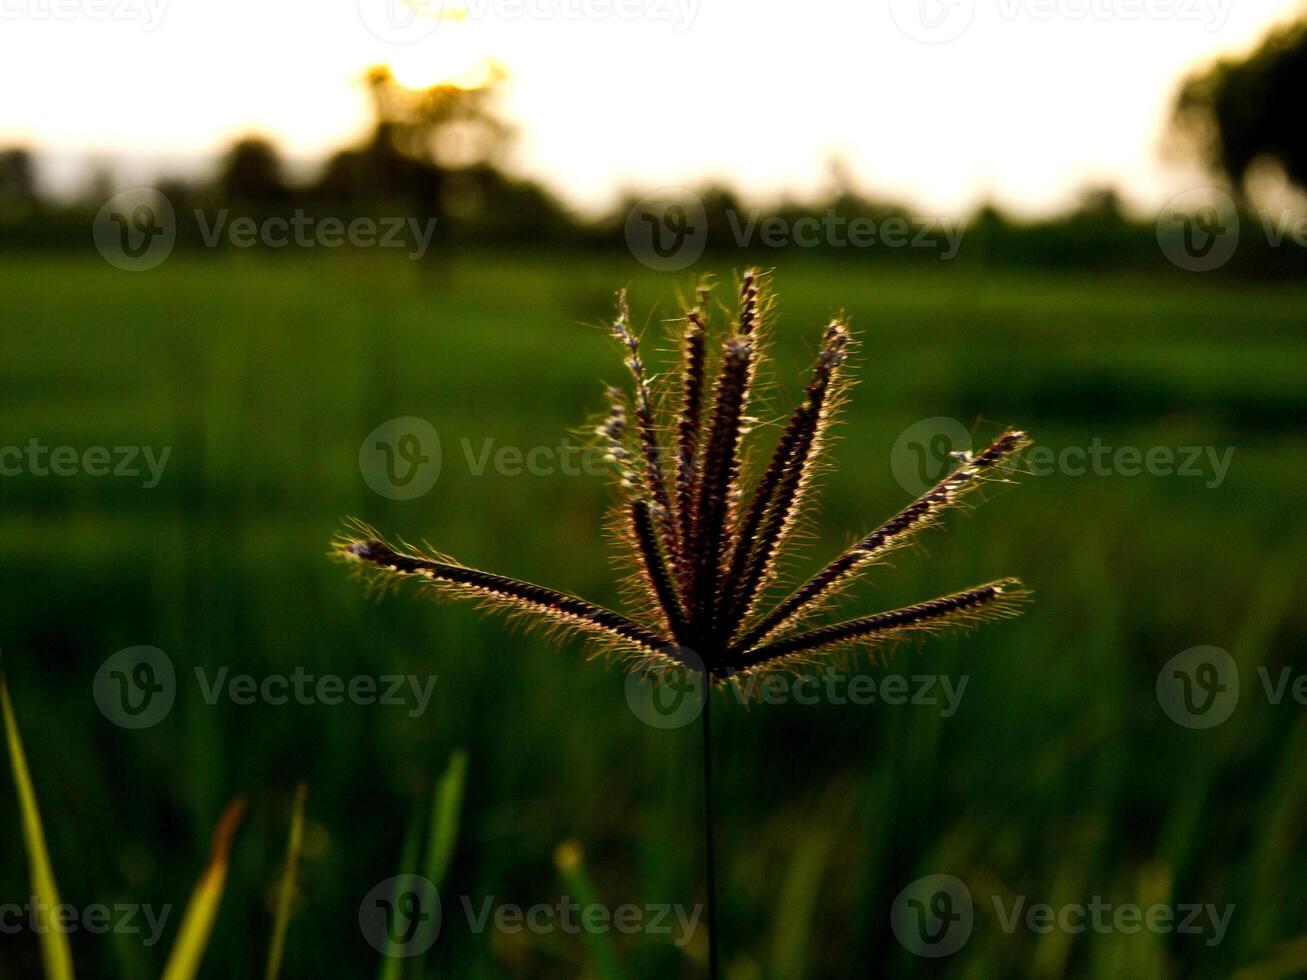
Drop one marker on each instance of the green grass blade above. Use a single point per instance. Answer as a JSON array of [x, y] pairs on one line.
[[446, 806], [442, 833], [203, 908], [286, 893], [55, 952], [570, 861], [392, 964]]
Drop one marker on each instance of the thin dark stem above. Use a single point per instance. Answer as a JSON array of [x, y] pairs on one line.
[[708, 849]]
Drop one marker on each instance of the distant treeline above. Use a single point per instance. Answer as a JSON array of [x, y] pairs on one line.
[[434, 161]]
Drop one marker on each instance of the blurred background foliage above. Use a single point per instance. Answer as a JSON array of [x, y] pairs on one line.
[[1059, 778]]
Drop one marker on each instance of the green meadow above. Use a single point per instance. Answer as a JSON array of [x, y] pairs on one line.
[[1053, 777]]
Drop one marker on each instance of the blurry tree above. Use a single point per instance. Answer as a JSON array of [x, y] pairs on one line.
[[18, 193], [433, 151], [1241, 110], [251, 175]]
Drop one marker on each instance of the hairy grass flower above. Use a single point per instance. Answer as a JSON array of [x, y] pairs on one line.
[[705, 554]]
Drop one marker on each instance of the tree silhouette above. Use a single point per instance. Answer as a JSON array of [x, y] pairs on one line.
[[251, 175], [1242, 110], [18, 193]]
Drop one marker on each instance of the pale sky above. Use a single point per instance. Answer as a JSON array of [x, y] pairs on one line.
[[939, 102]]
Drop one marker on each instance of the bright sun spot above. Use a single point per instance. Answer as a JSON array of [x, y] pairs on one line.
[[457, 52]]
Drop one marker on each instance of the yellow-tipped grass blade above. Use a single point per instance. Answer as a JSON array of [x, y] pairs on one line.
[[286, 893], [55, 953], [203, 907]]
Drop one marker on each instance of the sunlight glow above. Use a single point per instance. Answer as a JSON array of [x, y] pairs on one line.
[[1030, 102]]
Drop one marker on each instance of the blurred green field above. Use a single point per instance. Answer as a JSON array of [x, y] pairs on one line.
[[1059, 778]]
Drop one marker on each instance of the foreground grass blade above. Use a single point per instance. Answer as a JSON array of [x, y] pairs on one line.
[[392, 964], [442, 833], [55, 953], [286, 893], [203, 908], [570, 860], [445, 808]]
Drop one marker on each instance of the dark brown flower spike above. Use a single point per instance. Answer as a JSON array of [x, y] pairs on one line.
[[702, 561]]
